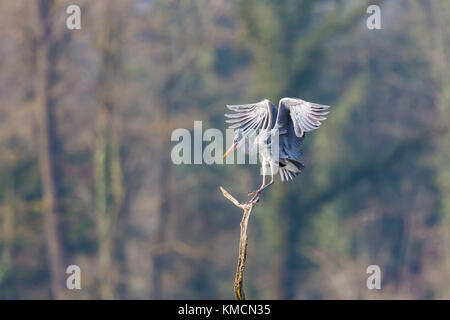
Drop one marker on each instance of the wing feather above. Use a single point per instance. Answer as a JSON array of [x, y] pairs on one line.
[[295, 117], [305, 116], [254, 116]]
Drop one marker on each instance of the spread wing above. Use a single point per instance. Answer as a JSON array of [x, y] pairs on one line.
[[250, 117], [295, 117], [305, 116]]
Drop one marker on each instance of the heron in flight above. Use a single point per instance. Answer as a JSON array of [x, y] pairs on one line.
[[276, 135]]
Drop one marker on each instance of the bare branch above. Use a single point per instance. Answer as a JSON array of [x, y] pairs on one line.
[[247, 208]]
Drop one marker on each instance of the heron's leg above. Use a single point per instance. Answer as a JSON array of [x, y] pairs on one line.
[[264, 186], [271, 180], [263, 181]]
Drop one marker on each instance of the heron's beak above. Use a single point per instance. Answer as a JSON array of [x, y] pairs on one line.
[[233, 146]]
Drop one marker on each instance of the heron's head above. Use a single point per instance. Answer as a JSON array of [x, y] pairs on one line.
[[237, 140]]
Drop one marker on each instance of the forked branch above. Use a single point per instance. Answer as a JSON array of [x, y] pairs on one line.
[[247, 208]]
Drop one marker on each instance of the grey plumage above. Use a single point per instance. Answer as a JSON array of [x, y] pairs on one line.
[[289, 124]]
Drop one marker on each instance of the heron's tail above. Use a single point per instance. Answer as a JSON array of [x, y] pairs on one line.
[[290, 170]]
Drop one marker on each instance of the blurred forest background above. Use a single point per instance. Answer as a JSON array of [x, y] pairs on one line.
[[85, 171]]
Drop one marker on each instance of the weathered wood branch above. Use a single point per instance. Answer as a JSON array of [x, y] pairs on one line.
[[247, 208]]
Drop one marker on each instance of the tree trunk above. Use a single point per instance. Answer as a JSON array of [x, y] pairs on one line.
[[47, 151], [107, 163]]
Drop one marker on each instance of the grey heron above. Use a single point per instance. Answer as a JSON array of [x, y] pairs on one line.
[[277, 135]]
